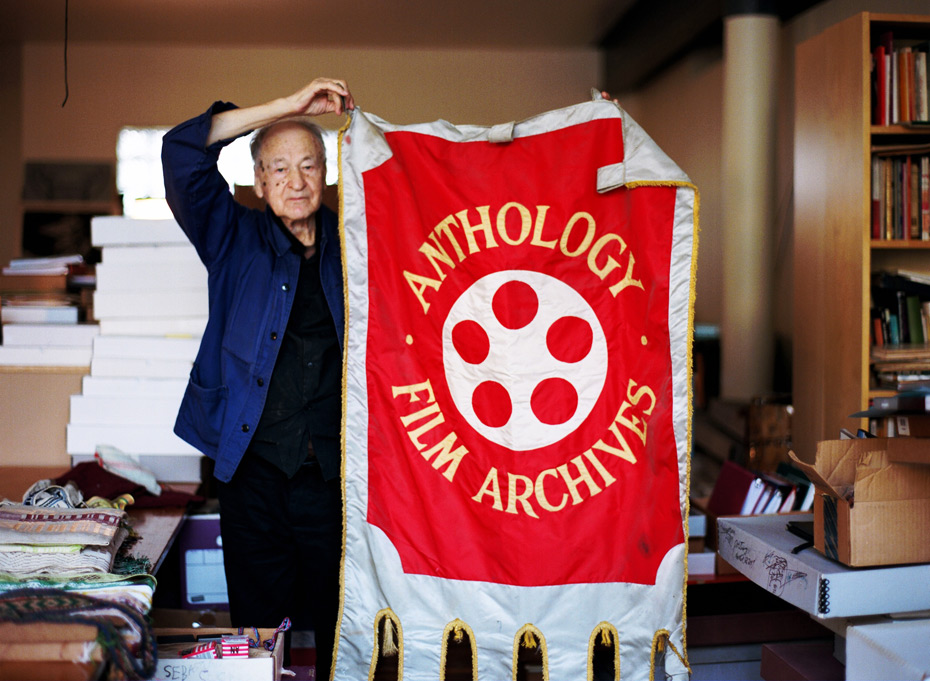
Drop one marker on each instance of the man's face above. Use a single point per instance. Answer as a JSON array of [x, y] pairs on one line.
[[289, 173]]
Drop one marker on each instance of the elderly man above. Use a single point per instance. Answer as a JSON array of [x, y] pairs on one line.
[[264, 397]]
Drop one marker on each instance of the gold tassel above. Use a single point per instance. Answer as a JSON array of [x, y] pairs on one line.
[[389, 646], [458, 633], [606, 637], [529, 641]]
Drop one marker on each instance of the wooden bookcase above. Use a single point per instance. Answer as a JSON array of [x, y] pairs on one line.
[[833, 251]]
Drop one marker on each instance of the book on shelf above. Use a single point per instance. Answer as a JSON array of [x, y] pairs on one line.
[[899, 80], [900, 310], [915, 401], [900, 193], [901, 425]]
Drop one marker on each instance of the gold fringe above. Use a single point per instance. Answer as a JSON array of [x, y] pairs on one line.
[[342, 435], [458, 629], [389, 648], [606, 634], [530, 637], [390, 644], [659, 643]]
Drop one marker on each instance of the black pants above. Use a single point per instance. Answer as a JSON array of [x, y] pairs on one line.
[[282, 546]]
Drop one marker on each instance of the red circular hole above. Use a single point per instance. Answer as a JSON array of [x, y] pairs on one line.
[[515, 304], [569, 339], [492, 404], [554, 401], [471, 341]]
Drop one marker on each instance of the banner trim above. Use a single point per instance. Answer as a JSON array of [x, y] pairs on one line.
[[459, 629], [529, 632]]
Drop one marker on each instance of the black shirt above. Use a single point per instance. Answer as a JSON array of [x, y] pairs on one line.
[[303, 409]]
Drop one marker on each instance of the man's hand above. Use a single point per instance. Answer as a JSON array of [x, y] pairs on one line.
[[323, 95]]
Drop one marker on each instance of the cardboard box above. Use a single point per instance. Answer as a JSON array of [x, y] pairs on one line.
[[50, 650], [872, 505], [261, 665]]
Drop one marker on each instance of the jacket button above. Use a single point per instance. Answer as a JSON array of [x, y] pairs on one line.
[[274, 335], [285, 287], [245, 427], [261, 382]]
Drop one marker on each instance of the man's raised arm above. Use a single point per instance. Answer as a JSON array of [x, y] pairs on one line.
[[323, 95]]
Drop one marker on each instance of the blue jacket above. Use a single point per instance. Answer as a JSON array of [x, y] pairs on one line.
[[252, 273]]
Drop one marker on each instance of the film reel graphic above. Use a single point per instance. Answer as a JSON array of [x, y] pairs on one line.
[[525, 358]]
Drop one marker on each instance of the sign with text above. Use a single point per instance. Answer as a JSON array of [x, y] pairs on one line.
[[518, 359]]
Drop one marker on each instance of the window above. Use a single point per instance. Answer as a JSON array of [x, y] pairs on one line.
[[139, 173]]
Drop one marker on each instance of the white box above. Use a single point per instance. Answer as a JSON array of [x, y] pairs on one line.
[[133, 386], [703, 563], [267, 667], [142, 276], [152, 303], [138, 440], [165, 254], [106, 230], [46, 356], [146, 347], [761, 548], [110, 410], [140, 368], [889, 650], [192, 327], [165, 467], [55, 335]]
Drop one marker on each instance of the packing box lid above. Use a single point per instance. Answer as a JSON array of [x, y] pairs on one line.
[[871, 469]]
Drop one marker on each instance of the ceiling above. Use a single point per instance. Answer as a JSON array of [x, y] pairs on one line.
[[643, 35]]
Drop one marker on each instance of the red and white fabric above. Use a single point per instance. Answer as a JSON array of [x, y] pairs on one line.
[[519, 317]]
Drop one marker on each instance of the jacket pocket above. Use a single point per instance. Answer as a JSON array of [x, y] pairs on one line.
[[202, 412]]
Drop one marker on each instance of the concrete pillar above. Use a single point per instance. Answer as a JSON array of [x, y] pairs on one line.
[[751, 31]]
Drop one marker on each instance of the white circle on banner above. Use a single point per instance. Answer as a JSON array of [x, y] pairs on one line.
[[525, 358]]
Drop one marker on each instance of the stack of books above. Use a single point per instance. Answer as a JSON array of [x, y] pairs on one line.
[[45, 312], [899, 80], [151, 305], [904, 414], [741, 491]]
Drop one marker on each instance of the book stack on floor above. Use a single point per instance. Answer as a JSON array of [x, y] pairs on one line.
[[45, 313], [151, 305]]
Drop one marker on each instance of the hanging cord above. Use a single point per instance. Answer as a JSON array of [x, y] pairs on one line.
[[66, 55]]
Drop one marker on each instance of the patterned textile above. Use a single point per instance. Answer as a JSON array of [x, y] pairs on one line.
[[124, 634], [517, 393], [31, 525], [36, 541], [134, 591]]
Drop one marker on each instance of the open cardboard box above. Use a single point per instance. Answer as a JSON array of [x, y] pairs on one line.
[[261, 664], [872, 505]]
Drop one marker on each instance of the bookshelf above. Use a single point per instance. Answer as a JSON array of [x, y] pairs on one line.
[[834, 252]]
